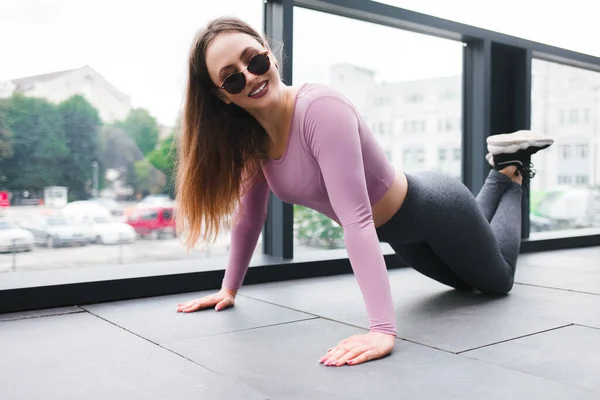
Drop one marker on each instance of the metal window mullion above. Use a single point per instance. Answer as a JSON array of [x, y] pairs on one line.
[[278, 232]]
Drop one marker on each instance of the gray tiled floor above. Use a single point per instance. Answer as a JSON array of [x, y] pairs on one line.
[[427, 312], [79, 356], [282, 361], [158, 320], [541, 341], [570, 355]]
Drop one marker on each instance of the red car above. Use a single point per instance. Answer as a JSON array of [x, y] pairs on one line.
[[154, 222]]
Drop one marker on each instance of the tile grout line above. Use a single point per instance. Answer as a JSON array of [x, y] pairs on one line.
[[347, 324], [156, 344], [41, 316], [515, 338], [251, 329], [528, 373], [587, 326], [305, 312], [555, 288]]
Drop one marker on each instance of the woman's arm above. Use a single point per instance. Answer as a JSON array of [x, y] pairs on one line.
[[245, 233], [332, 133]]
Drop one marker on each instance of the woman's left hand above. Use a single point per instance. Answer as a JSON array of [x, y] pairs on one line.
[[358, 349]]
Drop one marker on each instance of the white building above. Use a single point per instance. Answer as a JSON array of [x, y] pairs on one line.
[[56, 87], [419, 122]]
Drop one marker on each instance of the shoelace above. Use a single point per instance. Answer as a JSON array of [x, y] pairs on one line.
[[528, 171]]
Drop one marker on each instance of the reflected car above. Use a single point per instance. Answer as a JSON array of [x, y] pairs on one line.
[[101, 227], [154, 223], [113, 207], [56, 231], [155, 200], [13, 238], [540, 224]]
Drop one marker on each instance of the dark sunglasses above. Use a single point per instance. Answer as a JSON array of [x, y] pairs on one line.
[[258, 65]]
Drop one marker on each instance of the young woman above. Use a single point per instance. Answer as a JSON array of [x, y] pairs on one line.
[[245, 134]]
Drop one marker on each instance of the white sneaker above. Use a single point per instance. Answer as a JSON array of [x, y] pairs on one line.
[[516, 149], [509, 143], [490, 159]]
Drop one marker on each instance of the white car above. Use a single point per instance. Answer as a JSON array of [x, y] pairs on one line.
[[56, 231], [155, 201], [13, 238], [110, 232], [100, 226]]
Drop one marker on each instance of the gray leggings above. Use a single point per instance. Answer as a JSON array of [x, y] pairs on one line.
[[447, 234]]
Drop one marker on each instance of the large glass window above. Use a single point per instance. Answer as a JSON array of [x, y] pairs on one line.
[[565, 193], [90, 95], [516, 19], [409, 93]]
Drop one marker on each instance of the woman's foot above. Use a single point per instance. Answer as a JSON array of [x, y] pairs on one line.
[[515, 149]]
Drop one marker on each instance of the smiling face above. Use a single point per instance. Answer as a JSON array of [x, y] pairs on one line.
[[231, 52]]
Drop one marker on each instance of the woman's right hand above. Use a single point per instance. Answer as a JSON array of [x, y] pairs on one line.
[[220, 301]]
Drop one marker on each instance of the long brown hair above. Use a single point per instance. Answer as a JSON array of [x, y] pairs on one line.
[[221, 147]]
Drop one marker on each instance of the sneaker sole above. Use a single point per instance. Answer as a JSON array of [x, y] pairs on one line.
[[512, 142]]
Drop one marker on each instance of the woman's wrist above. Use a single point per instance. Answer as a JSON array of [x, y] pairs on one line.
[[229, 291]]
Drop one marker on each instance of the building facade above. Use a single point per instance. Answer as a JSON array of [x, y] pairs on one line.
[[419, 123], [56, 87]]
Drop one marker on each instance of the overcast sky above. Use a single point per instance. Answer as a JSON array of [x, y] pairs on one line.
[[141, 46]]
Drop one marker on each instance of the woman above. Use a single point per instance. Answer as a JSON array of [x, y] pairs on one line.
[[246, 133]]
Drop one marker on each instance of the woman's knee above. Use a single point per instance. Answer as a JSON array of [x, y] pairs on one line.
[[499, 288]]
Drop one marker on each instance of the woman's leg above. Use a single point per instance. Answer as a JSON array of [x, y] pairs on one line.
[[490, 194], [420, 257], [443, 233], [481, 253], [446, 234]]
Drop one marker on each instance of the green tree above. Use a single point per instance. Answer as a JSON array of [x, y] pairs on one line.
[[5, 133], [119, 152], [81, 124], [142, 128], [163, 159], [38, 144], [316, 230]]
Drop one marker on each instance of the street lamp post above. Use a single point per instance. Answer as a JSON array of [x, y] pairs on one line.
[[95, 179], [594, 147]]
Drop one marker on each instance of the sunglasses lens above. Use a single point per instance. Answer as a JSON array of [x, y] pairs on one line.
[[235, 83], [259, 65]]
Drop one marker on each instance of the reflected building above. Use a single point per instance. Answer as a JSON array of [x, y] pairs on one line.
[[419, 122]]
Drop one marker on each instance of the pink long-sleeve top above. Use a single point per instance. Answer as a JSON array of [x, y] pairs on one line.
[[333, 165]]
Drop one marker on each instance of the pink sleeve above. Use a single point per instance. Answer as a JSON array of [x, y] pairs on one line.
[[245, 233], [332, 133]]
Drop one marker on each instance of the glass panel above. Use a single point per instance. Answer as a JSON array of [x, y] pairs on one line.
[[92, 96], [411, 101], [574, 20], [565, 193]]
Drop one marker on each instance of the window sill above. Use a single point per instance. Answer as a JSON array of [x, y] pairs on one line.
[[24, 291]]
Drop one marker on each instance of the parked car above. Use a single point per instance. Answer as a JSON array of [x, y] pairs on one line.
[[155, 200], [56, 231], [101, 228], [13, 238], [111, 205], [153, 223]]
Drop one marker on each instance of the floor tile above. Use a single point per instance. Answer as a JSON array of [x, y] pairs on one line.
[[39, 313], [579, 280], [568, 355], [582, 259], [426, 311], [78, 356], [157, 318], [282, 361]]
